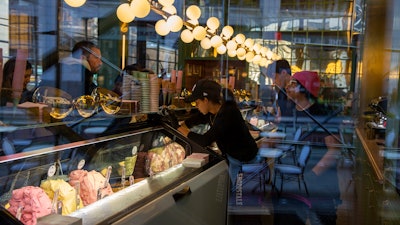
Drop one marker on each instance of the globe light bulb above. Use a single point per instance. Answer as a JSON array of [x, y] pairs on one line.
[[257, 59], [243, 57], [199, 33], [257, 48], [213, 23], [249, 43], [175, 23], [269, 54], [193, 23], [221, 49], [240, 52], [227, 31], [124, 13], [205, 43], [264, 51], [231, 52], [162, 28], [249, 56], [231, 45], [187, 36], [240, 38], [193, 12], [75, 3], [216, 41], [140, 8], [169, 9], [263, 62], [166, 2]]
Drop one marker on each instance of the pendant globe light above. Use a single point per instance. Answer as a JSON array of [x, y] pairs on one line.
[[193, 12], [187, 36], [162, 28], [174, 23], [124, 13], [140, 8], [75, 3]]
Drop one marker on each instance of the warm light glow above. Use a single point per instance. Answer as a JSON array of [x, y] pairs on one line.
[[269, 54], [231, 52], [193, 12], [192, 22], [264, 51], [249, 56], [166, 2], [216, 41], [257, 59], [124, 13], [169, 9], [75, 3], [231, 45], [205, 43], [249, 43], [264, 62], [140, 8], [257, 48], [187, 36], [162, 27], [241, 57], [240, 38], [213, 23], [221, 49], [199, 33], [227, 31], [240, 52], [175, 23]]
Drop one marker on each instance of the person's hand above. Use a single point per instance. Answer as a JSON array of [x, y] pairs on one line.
[[183, 130]]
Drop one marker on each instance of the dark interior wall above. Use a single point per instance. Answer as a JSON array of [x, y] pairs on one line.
[[376, 58]]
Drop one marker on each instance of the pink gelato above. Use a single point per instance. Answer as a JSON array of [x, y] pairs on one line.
[[90, 184], [34, 204]]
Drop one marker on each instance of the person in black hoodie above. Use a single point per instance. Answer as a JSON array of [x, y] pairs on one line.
[[227, 126]]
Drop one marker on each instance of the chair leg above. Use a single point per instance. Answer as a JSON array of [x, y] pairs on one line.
[[305, 185], [294, 156], [274, 182], [298, 181]]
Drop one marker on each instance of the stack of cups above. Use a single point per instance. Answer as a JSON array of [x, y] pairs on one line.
[[154, 92]]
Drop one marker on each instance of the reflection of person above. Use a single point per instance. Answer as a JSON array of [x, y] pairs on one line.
[[8, 75], [227, 127], [118, 85], [281, 72], [303, 89], [77, 72], [76, 77]]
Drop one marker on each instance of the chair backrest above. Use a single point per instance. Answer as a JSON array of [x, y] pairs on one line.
[[8, 146], [304, 155], [297, 134]]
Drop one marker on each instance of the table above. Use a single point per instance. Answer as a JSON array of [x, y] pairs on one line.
[[270, 155]]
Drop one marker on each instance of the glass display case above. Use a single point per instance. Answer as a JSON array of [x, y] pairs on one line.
[[142, 176]]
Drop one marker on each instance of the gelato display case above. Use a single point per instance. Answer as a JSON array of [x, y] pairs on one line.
[[146, 175]]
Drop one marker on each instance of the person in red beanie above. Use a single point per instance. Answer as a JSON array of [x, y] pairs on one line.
[[303, 89]]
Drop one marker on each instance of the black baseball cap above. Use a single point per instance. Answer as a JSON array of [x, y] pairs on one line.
[[205, 89]]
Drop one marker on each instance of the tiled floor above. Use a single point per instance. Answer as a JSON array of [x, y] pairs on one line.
[[258, 208]]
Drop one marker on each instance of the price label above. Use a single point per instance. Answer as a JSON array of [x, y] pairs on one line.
[[81, 164], [134, 150], [52, 171]]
